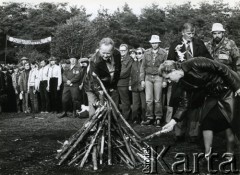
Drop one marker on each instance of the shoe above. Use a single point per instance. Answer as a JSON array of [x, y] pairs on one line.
[[42, 112], [158, 123], [63, 115], [148, 122]]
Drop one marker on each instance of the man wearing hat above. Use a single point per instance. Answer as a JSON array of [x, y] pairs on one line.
[[223, 49], [54, 83], [71, 80], [152, 82], [23, 60], [226, 51]]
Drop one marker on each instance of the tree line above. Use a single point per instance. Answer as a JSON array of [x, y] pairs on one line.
[[76, 33]]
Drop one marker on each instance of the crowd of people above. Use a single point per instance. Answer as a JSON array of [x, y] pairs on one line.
[[133, 79]]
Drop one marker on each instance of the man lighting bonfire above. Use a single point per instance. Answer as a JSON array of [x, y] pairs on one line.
[[105, 134]]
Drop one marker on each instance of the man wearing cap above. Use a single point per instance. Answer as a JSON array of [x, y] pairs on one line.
[[23, 83], [23, 60], [152, 82], [226, 51], [54, 83], [223, 49], [71, 80], [181, 50], [123, 83]]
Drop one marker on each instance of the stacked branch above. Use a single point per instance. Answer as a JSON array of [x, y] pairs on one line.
[[105, 138]]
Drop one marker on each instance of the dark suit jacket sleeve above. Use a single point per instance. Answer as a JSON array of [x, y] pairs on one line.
[[205, 52], [172, 54]]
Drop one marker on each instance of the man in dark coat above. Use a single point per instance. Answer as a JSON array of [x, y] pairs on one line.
[[106, 64], [181, 50], [218, 82], [71, 92], [123, 82]]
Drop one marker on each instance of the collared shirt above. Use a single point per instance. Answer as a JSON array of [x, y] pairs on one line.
[[111, 67], [187, 43], [71, 66], [43, 73], [33, 78], [55, 72]]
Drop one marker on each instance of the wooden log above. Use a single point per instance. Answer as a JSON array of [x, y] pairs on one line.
[[115, 107], [153, 135], [82, 136], [102, 147], [78, 133], [93, 141], [77, 158], [94, 158], [109, 137], [122, 158]]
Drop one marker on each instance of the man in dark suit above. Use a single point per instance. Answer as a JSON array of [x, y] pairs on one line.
[[181, 50], [187, 46], [71, 80], [106, 64]]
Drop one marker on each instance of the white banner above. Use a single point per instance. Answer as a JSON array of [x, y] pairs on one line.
[[29, 42]]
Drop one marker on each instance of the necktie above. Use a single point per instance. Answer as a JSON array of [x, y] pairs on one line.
[[188, 51]]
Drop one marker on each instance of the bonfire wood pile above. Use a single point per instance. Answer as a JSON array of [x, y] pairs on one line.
[[105, 138]]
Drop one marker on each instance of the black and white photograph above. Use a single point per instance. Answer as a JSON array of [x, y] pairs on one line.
[[119, 87]]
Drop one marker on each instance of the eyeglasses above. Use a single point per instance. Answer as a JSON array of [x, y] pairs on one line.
[[139, 53]]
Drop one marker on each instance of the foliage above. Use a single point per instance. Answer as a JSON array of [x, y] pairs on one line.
[[75, 34]]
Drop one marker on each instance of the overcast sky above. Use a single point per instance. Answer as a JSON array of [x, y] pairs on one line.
[[93, 5]]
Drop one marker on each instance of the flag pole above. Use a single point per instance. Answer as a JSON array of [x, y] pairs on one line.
[[5, 57]]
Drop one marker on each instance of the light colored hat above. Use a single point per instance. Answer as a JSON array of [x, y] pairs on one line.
[[24, 58], [217, 27], [155, 39], [83, 60], [52, 58]]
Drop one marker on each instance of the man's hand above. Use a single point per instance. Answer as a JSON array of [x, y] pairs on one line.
[[143, 84], [237, 92], [164, 84], [47, 88], [58, 88], [169, 126], [68, 82], [81, 86], [130, 88], [16, 92]]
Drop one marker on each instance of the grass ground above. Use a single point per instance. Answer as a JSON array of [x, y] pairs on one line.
[[29, 146]]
